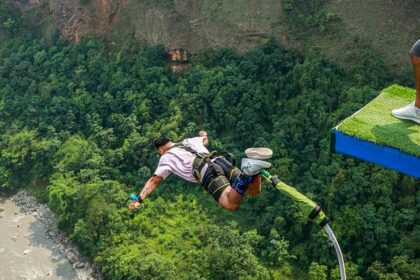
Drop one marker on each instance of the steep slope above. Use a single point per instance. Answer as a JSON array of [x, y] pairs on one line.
[[388, 27], [72, 18]]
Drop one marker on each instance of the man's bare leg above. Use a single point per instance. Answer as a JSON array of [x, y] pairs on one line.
[[230, 199], [416, 65]]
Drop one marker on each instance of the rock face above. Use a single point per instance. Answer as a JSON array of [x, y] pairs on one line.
[[188, 24], [75, 18], [388, 27]]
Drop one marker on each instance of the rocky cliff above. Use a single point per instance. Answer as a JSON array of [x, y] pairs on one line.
[[187, 24], [388, 26], [73, 18]]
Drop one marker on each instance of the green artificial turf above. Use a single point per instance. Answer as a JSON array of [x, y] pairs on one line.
[[375, 123]]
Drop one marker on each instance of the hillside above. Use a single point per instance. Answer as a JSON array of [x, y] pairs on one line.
[[388, 27]]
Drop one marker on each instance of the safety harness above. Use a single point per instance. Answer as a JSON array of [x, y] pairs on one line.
[[201, 159], [240, 183]]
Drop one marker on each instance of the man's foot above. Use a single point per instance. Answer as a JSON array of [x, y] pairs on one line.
[[409, 112], [253, 167]]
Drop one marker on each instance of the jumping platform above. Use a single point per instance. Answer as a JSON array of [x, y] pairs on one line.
[[373, 134]]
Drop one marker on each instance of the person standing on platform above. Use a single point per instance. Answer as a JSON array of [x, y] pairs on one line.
[[412, 110]]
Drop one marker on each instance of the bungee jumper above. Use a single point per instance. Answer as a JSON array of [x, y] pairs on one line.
[[228, 184], [191, 161]]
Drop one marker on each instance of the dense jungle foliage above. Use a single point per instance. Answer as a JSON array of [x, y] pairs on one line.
[[77, 126]]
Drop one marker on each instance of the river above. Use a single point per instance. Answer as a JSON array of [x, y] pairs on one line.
[[31, 247]]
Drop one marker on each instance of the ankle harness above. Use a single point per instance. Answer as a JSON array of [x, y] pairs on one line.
[[241, 183]]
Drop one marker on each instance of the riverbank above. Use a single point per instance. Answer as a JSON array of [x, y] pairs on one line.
[[32, 247]]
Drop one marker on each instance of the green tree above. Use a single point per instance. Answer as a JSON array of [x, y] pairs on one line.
[[317, 271]]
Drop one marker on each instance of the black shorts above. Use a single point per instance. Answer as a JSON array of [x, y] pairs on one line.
[[226, 174], [416, 48]]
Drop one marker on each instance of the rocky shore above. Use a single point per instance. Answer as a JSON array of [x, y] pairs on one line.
[[26, 205]]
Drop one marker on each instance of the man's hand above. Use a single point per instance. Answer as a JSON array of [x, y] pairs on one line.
[[134, 205], [202, 133]]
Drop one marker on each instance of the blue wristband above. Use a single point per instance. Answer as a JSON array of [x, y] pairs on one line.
[[136, 198]]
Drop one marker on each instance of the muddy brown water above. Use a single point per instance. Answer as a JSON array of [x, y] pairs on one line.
[[26, 252]]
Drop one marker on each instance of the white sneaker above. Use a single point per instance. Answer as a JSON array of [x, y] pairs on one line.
[[407, 113], [259, 153], [253, 167]]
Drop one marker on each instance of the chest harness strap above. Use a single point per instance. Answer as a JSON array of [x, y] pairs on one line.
[[201, 159]]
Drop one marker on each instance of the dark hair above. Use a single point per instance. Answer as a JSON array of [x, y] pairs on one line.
[[161, 141]]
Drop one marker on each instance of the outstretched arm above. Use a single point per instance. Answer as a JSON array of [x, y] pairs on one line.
[[150, 185], [148, 188]]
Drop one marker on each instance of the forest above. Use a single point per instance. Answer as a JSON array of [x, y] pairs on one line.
[[77, 125]]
